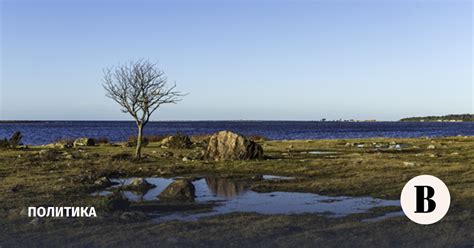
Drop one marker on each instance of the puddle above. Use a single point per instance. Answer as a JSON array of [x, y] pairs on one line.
[[231, 196], [272, 177]]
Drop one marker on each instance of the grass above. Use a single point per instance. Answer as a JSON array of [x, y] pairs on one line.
[[47, 177]]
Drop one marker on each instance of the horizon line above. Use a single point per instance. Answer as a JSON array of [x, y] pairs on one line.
[[191, 120]]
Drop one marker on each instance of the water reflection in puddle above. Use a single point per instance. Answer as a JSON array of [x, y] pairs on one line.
[[233, 196], [272, 177]]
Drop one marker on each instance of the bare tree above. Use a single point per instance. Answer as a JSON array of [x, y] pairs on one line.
[[140, 88]]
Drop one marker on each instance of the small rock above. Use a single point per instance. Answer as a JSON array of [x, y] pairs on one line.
[[140, 184], [133, 216], [103, 182], [431, 147], [179, 190], [257, 177], [167, 154], [83, 142], [185, 159], [409, 164]]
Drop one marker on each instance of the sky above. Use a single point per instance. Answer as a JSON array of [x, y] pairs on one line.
[[241, 60]]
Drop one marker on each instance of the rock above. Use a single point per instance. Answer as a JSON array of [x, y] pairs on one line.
[[185, 159], [133, 216], [178, 141], [103, 182], [83, 142], [431, 147], [454, 154], [140, 184], [165, 141], [409, 164], [226, 145], [179, 190], [62, 144], [167, 154], [196, 155], [257, 177]]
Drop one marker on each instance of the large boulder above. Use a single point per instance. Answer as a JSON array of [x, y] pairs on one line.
[[226, 145], [84, 142], [179, 190]]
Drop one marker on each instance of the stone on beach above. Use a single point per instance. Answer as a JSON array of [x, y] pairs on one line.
[[226, 145], [84, 142]]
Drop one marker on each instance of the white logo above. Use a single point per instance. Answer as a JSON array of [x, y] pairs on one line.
[[425, 199]]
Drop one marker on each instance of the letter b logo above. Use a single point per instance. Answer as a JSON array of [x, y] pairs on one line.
[[425, 199], [421, 198]]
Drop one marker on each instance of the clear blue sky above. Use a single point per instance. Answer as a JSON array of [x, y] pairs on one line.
[[300, 60]]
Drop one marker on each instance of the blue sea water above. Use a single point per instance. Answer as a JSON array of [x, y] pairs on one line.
[[36, 133]]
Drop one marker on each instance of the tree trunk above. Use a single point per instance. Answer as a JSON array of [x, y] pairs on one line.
[[138, 150]]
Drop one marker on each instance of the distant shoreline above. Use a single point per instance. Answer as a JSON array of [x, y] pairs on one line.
[[445, 118]]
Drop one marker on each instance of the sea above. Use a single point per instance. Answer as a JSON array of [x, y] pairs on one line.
[[44, 132]]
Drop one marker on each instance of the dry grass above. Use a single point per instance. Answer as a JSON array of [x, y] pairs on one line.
[[30, 179]]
